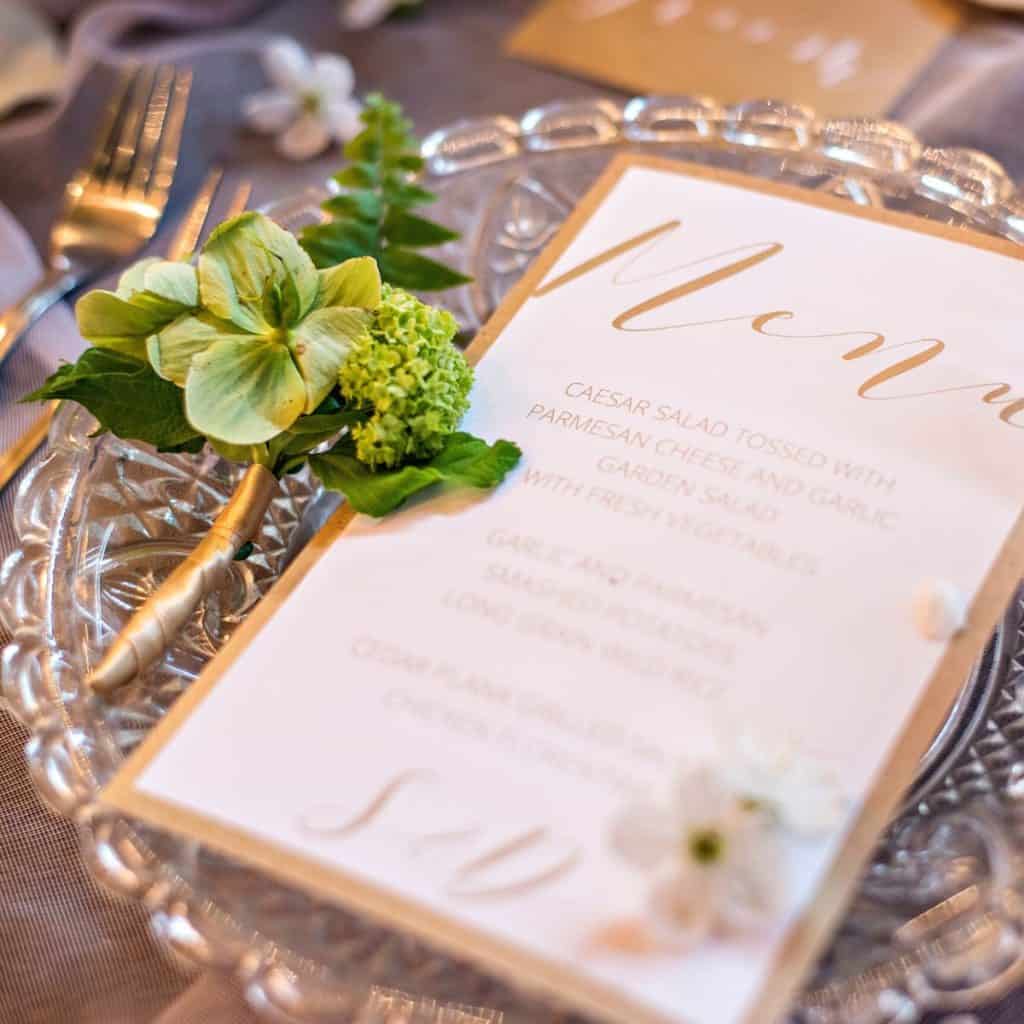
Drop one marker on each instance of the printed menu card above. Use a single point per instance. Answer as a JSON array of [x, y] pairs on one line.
[[626, 729], [841, 59]]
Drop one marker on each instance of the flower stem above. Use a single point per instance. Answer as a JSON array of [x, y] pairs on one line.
[[153, 626]]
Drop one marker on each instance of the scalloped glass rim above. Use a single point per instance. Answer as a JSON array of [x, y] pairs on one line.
[[948, 952]]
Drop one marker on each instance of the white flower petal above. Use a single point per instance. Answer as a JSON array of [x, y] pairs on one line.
[[747, 886], [940, 610], [702, 799], [811, 804], [682, 910], [357, 14], [644, 835], [795, 788], [342, 119], [305, 139], [333, 76], [269, 111], [287, 65]]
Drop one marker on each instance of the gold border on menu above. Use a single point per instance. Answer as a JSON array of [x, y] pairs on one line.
[[805, 939]]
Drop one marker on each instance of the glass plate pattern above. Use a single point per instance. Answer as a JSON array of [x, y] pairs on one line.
[[937, 922]]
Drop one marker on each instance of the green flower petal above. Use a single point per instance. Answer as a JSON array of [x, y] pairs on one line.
[[166, 279], [134, 278], [109, 321], [171, 350], [321, 344], [244, 390], [174, 281], [355, 282], [247, 258]]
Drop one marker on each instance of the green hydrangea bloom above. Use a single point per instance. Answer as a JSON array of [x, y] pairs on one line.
[[405, 368]]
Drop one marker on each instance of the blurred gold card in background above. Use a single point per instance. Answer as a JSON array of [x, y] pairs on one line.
[[839, 58]]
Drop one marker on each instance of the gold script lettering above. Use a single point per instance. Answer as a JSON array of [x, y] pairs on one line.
[[368, 814], [762, 251], [528, 860], [933, 349], [605, 257], [876, 344], [471, 882], [642, 244]]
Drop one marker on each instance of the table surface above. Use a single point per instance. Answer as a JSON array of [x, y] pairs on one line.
[[69, 952]]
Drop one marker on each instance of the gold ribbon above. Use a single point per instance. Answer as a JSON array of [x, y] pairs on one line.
[[151, 629]]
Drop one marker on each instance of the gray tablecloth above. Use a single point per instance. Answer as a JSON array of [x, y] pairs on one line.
[[69, 953]]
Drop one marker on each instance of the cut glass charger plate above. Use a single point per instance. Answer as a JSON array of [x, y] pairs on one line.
[[938, 921]]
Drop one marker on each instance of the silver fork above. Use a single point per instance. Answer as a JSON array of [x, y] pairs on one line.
[[182, 247], [113, 204]]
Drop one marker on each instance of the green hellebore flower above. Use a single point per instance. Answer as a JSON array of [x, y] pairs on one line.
[[269, 335], [255, 335], [407, 371]]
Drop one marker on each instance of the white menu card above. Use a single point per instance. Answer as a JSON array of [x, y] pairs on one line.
[[758, 424]]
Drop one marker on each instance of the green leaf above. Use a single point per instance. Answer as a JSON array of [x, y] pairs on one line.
[[301, 444], [309, 432], [339, 240], [409, 162], [362, 205], [256, 453], [357, 175], [468, 460], [417, 273], [364, 148], [402, 228], [244, 390], [290, 465], [328, 244], [329, 422], [244, 551], [355, 282], [241, 258], [126, 397], [191, 447], [373, 209], [465, 460], [404, 194]]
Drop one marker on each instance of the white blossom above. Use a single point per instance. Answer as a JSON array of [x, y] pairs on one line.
[[802, 796], [939, 609], [713, 851], [359, 14], [310, 102], [713, 858]]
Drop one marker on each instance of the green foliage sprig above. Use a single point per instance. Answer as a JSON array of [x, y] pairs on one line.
[[372, 215]]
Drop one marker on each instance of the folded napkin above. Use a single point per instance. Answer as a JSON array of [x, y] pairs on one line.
[[31, 67], [97, 28], [53, 339], [65, 9]]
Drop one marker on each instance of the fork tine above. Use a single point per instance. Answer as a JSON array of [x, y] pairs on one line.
[[186, 241], [239, 201], [106, 139], [128, 136], [152, 129], [187, 237], [163, 174]]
